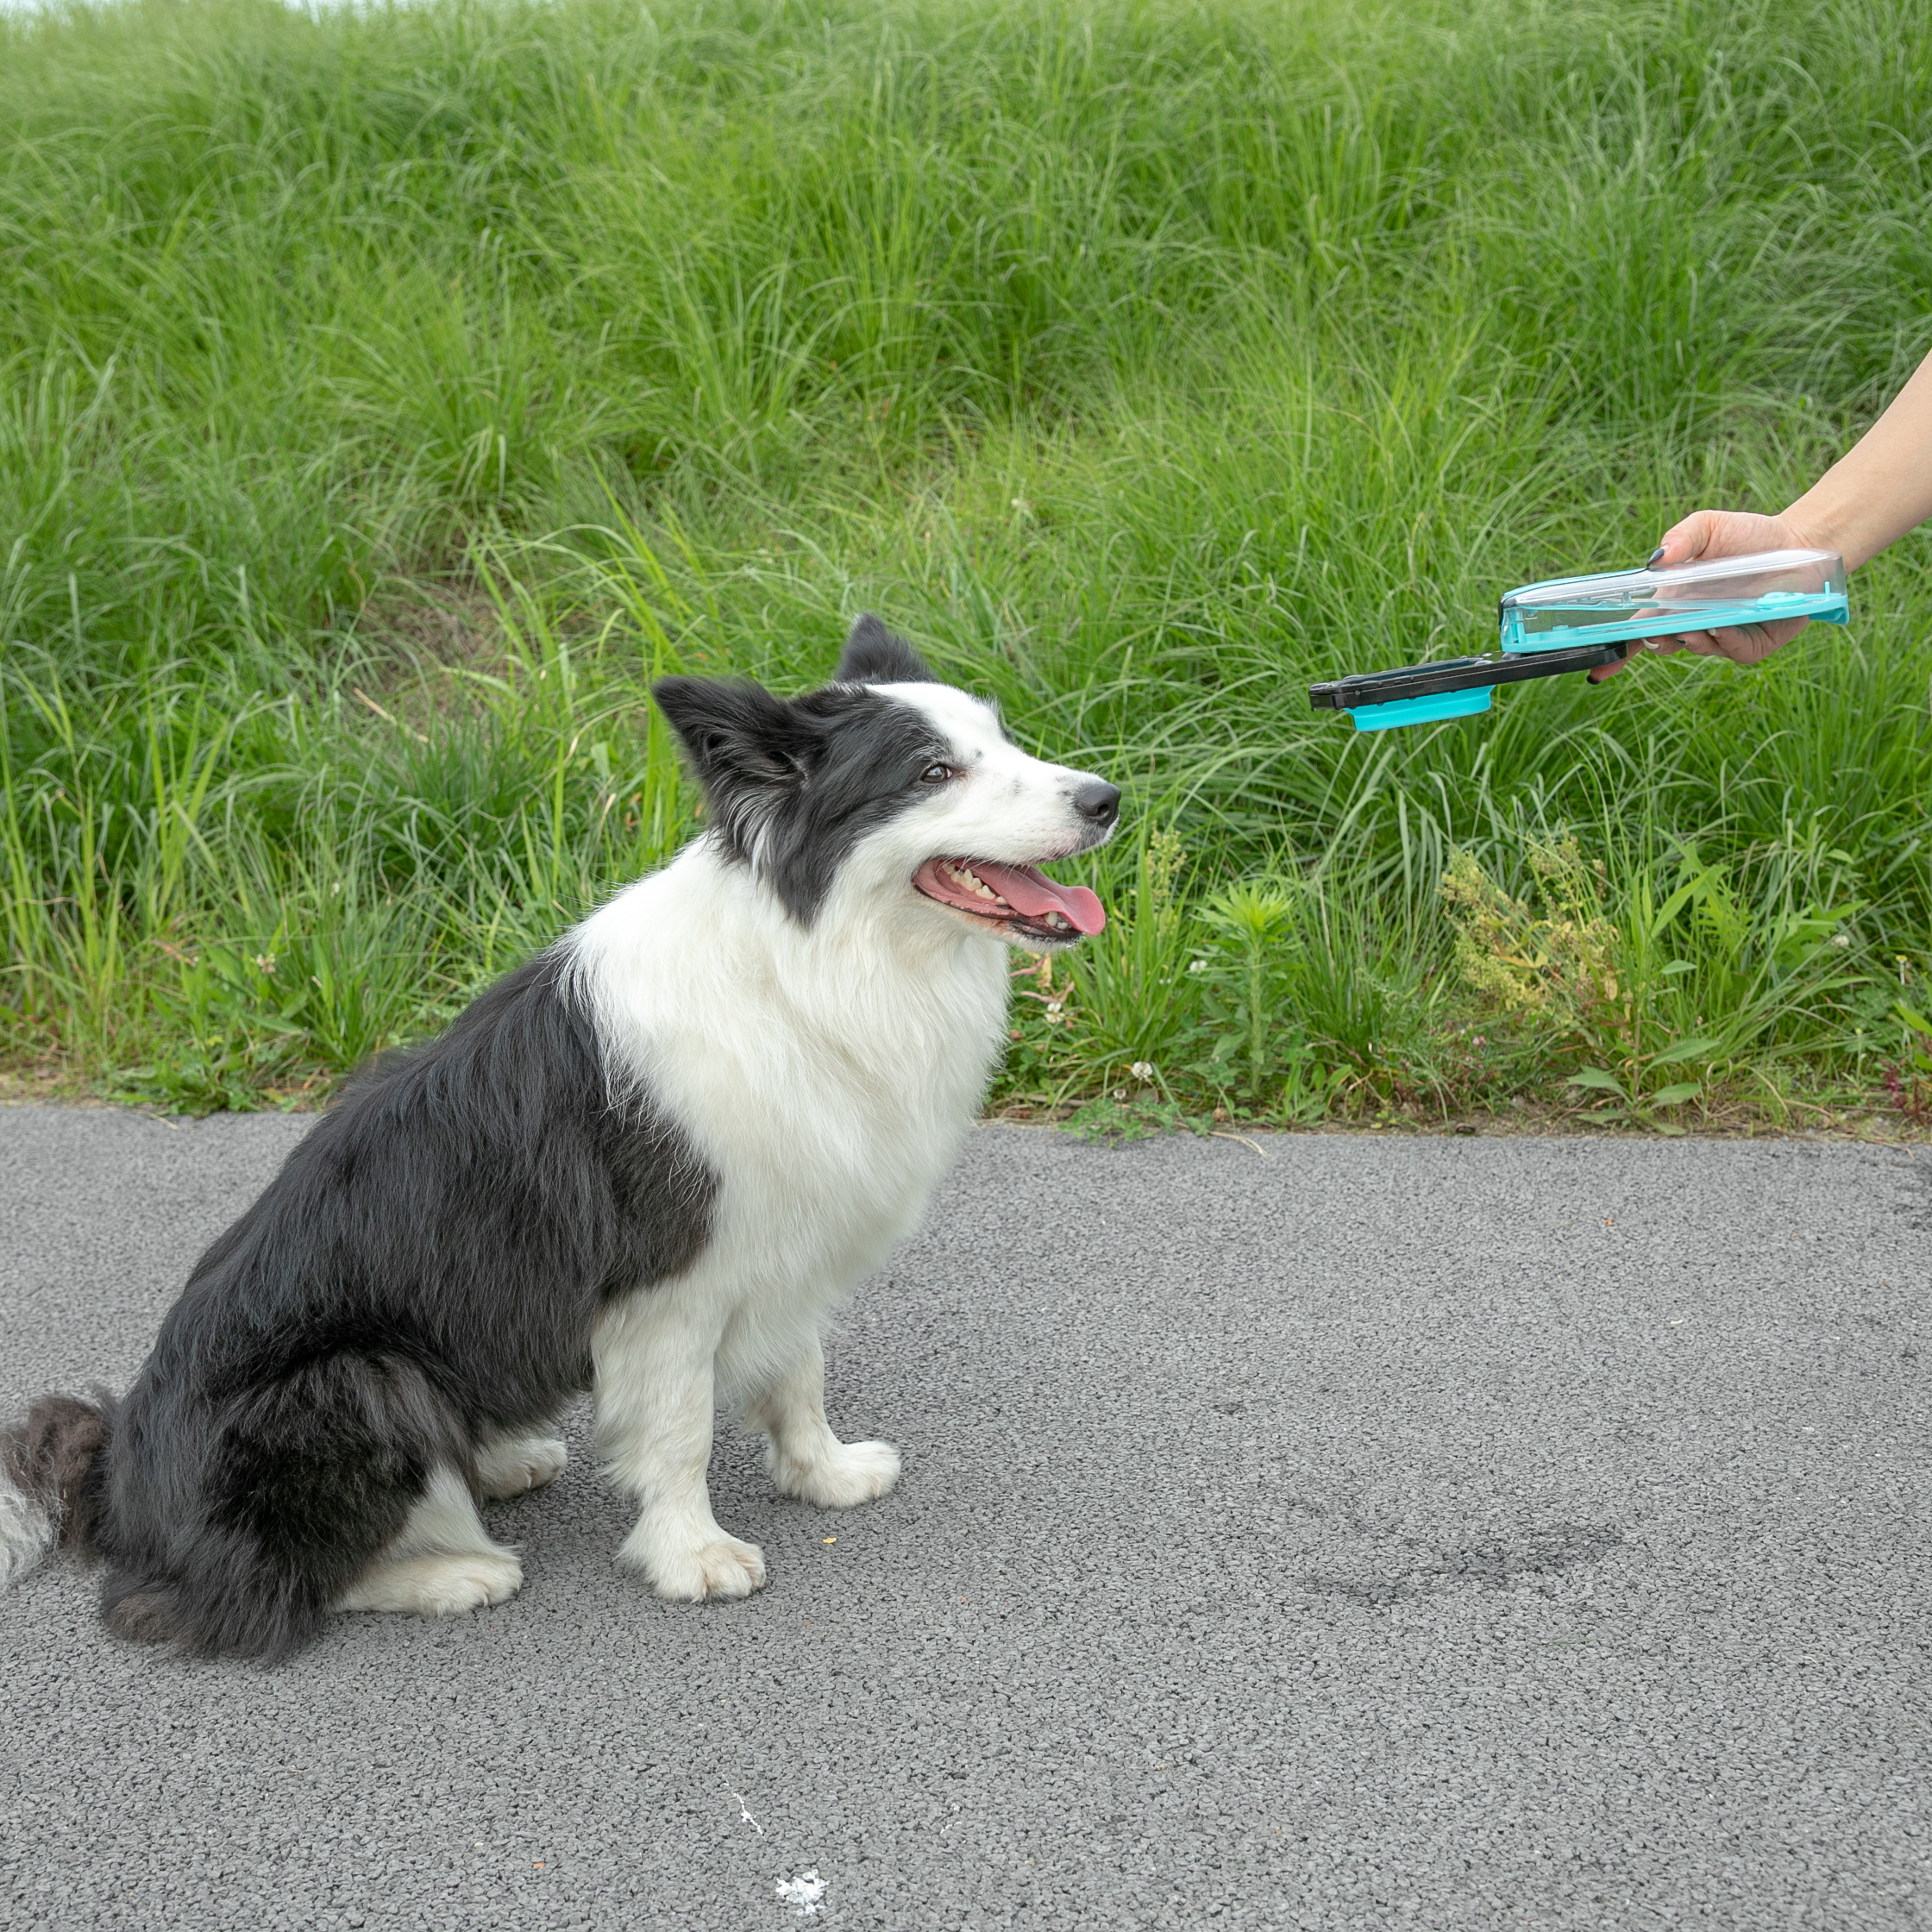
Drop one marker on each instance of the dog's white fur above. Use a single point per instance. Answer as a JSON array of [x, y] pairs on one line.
[[828, 1075]]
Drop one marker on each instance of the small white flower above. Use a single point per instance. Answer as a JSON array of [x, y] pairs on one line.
[[1053, 1007], [1198, 965], [1120, 1093], [1841, 939], [1142, 1069]]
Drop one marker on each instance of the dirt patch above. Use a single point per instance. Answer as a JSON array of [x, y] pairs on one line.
[[451, 623]]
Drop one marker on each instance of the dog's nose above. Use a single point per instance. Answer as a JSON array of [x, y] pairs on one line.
[[1097, 801]]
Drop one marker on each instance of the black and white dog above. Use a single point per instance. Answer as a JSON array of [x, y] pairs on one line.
[[648, 1162]]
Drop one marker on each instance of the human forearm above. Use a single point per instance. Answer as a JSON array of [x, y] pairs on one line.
[[1870, 498], [1882, 487]]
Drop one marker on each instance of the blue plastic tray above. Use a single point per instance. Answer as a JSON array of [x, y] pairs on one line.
[[1586, 623], [1713, 594]]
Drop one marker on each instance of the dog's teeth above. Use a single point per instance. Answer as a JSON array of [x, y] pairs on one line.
[[968, 881]]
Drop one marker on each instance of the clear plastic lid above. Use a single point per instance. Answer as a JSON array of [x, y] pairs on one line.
[[1761, 589]]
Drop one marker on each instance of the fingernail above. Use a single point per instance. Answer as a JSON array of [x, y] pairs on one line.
[[1656, 558]]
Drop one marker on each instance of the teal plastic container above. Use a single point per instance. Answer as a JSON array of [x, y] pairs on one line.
[[1617, 606]]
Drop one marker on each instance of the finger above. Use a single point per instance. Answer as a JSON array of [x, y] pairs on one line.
[[1745, 644], [1684, 542], [1751, 644], [1776, 634], [1662, 645]]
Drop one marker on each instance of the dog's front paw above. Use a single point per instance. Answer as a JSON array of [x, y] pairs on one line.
[[519, 1464], [692, 1572], [853, 1472]]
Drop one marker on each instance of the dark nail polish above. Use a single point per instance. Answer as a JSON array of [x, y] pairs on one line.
[[1656, 558]]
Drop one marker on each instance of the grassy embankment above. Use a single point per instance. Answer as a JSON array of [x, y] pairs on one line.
[[383, 398]]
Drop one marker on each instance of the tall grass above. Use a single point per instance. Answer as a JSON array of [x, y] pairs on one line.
[[386, 396]]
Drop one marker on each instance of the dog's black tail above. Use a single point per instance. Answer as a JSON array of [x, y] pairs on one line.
[[44, 1495]]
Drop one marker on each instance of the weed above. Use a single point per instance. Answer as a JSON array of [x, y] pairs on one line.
[[1119, 1116], [1909, 1079], [1250, 918]]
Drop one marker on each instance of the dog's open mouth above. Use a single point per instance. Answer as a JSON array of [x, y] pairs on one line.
[[1020, 897]]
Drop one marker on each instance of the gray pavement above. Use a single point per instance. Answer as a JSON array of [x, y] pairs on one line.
[[1416, 1533]]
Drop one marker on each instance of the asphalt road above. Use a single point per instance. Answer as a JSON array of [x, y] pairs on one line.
[[1414, 1533]]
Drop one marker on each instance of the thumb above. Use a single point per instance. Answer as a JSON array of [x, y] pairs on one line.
[[1684, 542]]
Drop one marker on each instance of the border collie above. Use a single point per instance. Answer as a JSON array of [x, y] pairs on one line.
[[649, 1162]]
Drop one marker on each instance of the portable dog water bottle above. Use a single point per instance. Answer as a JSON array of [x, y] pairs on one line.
[[1579, 624]]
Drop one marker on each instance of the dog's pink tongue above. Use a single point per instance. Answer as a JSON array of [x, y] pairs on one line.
[[1028, 890]]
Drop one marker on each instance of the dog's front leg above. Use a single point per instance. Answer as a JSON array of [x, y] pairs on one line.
[[805, 1458], [652, 1354]]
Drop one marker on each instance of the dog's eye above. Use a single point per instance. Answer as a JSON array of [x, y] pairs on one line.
[[937, 775]]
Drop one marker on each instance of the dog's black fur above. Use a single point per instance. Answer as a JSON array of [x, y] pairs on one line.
[[423, 1274], [802, 779], [874, 655]]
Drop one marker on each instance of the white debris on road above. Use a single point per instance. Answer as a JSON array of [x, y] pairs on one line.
[[803, 1893]]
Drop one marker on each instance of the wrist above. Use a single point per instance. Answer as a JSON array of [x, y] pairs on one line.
[[1816, 523]]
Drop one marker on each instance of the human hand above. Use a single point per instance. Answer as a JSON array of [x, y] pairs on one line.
[[1725, 533]]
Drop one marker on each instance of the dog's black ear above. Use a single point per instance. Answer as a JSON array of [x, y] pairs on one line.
[[751, 751], [873, 656]]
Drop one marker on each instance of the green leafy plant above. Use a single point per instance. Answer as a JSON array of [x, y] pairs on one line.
[[1131, 1002], [1644, 985], [1911, 1078], [1120, 1116], [1251, 920], [1641, 1102]]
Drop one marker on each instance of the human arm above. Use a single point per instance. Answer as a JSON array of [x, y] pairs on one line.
[[1870, 498]]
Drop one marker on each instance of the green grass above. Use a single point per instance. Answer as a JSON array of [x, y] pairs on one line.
[[385, 397]]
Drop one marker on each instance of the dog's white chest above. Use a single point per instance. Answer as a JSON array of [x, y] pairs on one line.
[[825, 1154], [827, 1079]]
